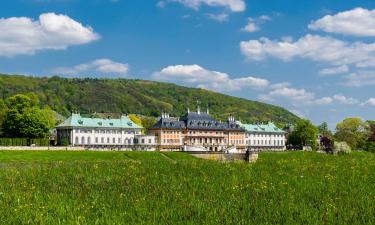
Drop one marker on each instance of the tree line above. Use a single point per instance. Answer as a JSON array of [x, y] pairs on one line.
[[354, 132]]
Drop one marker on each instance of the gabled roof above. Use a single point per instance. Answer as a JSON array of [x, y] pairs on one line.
[[261, 128], [76, 120]]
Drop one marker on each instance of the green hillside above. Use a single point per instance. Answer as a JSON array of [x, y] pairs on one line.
[[136, 96]]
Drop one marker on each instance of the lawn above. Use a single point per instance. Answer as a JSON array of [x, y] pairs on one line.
[[175, 188]]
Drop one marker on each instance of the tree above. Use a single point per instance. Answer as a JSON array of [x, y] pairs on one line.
[[327, 144], [304, 134], [324, 130], [353, 131], [3, 110], [25, 119]]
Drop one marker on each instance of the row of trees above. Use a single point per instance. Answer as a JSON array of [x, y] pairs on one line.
[[358, 134], [21, 116]]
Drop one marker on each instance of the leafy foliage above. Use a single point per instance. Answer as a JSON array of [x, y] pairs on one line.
[[324, 130], [341, 148], [304, 134], [327, 144], [148, 98], [353, 131], [24, 118]]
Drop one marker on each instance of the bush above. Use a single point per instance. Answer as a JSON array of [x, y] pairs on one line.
[[341, 148], [369, 146]]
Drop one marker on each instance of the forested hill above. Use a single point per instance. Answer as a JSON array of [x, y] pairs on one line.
[[136, 96]]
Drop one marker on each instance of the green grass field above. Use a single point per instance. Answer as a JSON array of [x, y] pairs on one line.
[[174, 188]]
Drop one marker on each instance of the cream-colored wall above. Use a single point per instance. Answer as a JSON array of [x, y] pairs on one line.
[[122, 136]]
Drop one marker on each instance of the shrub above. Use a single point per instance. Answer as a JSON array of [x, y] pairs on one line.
[[341, 148]]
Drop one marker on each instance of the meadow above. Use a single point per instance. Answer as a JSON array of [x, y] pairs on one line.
[[176, 188]]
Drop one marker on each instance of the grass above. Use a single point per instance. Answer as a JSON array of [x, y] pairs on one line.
[[175, 188]]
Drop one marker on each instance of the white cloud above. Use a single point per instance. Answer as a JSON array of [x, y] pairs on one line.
[[101, 67], [345, 100], [323, 101], [24, 36], [338, 98], [201, 77], [370, 102], [253, 23], [300, 96], [284, 92], [359, 79], [334, 70], [357, 22], [233, 5], [314, 47], [251, 26], [221, 17]]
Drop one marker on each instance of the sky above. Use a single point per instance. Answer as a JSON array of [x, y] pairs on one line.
[[316, 58]]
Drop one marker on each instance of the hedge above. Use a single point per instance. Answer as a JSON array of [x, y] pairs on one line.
[[23, 142]]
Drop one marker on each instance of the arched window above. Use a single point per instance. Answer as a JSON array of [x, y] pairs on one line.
[[77, 141], [89, 140], [83, 140]]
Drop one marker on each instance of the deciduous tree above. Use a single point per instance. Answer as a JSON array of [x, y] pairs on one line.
[[353, 131], [304, 134]]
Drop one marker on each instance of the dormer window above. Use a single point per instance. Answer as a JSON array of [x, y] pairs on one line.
[[111, 124], [80, 122], [100, 123], [130, 123]]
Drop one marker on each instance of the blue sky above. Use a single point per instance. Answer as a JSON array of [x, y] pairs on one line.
[[315, 58]]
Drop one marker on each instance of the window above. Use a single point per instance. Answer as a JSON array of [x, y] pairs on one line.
[[143, 141], [119, 140], [83, 140], [107, 140], [102, 140], [77, 140], [114, 140], [149, 141]]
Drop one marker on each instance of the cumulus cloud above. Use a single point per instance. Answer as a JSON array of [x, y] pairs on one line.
[[338, 98], [25, 36], [357, 22], [253, 23], [233, 5], [359, 79], [250, 27], [100, 67], [314, 47], [300, 96], [334, 70], [290, 93], [370, 102], [201, 77]]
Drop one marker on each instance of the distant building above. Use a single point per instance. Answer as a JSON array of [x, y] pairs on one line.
[[145, 142], [264, 136], [98, 132], [197, 131]]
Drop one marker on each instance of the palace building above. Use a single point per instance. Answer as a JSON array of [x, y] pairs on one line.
[[264, 136], [97, 132], [198, 131]]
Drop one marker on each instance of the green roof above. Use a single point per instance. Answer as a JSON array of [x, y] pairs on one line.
[[76, 120], [261, 128]]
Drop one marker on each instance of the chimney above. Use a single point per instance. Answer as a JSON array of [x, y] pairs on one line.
[[188, 110], [198, 109], [208, 110]]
